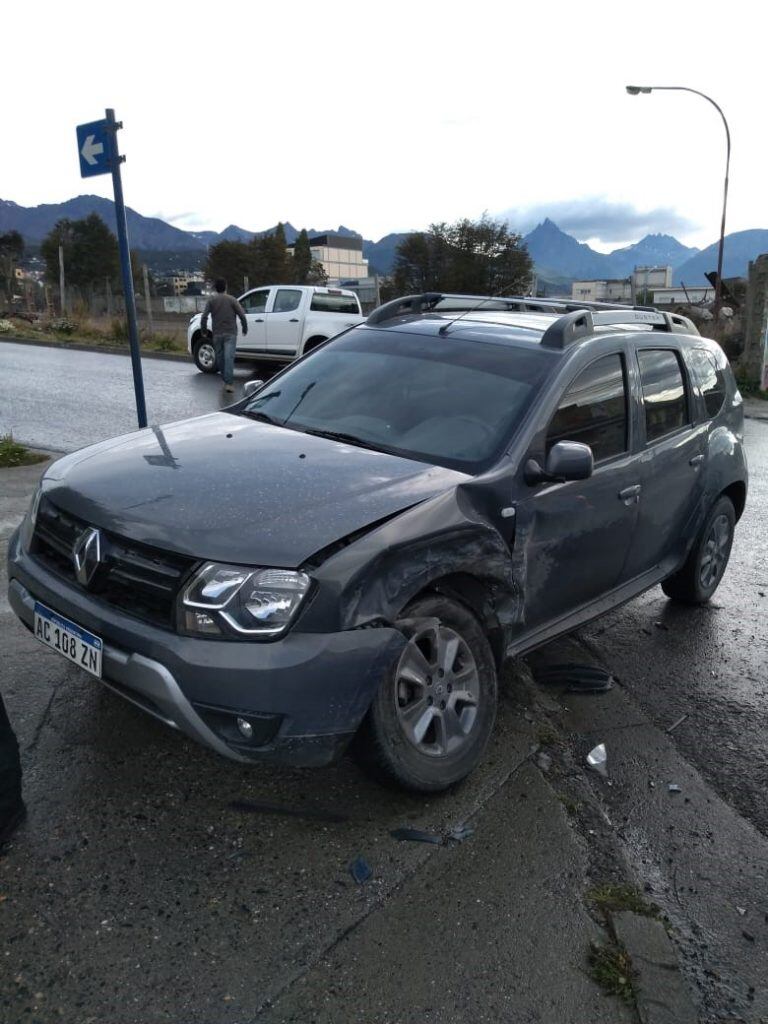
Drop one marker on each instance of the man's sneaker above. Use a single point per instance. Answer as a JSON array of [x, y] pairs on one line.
[[10, 823]]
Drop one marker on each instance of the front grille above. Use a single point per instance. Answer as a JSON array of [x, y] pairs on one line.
[[140, 580]]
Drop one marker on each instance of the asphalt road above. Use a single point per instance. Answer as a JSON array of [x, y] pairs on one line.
[[138, 893], [63, 399]]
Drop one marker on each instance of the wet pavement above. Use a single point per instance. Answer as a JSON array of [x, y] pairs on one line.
[[63, 399], [137, 893]]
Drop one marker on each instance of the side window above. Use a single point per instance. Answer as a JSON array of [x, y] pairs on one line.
[[710, 379], [666, 408], [594, 410], [286, 300], [255, 302]]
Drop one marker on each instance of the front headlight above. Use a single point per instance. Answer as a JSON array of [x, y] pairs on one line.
[[28, 524], [253, 602]]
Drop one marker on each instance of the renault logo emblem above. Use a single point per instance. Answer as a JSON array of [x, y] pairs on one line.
[[86, 555]]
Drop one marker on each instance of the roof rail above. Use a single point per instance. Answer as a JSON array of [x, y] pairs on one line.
[[580, 323], [404, 305], [451, 303], [455, 303]]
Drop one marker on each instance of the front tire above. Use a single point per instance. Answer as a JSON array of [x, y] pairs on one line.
[[204, 354], [432, 717], [700, 577]]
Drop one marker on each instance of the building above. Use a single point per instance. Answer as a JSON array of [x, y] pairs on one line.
[[683, 296], [340, 255], [640, 285], [185, 283], [610, 290]]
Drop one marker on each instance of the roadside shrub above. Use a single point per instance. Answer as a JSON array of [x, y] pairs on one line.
[[165, 343], [5, 326], [62, 325], [119, 329]]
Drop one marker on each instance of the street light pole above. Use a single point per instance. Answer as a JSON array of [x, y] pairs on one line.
[[635, 90]]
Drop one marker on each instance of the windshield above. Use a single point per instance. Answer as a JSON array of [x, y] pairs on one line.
[[450, 401]]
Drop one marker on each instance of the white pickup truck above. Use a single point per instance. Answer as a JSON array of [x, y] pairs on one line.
[[284, 321]]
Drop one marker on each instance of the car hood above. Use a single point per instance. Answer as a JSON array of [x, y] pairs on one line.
[[226, 488]]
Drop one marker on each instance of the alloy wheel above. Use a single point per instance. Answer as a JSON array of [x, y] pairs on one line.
[[714, 555], [437, 690]]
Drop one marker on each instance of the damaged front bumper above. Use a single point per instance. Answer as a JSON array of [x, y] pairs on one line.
[[303, 696]]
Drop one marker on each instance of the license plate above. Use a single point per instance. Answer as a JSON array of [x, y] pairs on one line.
[[75, 643]]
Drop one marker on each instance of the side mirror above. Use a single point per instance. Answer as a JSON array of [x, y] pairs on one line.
[[251, 386], [567, 460]]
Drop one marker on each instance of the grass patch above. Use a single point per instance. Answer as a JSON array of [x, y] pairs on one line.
[[612, 899], [611, 968], [14, 454]]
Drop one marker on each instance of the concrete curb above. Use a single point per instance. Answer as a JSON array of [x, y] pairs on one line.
[[110, 350], [660, 991]]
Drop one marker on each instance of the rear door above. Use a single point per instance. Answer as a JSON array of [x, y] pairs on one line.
[[672, 459], [285, 321], [255, 306], [581, 531]]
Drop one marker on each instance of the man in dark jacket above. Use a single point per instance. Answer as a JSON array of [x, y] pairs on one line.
[[224, 311], [12, 809]]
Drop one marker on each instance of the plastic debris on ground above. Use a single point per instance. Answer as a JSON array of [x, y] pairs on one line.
[[460, 833], [360, 870], [416, 835], [674, 788], [597, 759], [575, 677]]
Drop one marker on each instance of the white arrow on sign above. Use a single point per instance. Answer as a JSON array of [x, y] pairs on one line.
[[91, 149]]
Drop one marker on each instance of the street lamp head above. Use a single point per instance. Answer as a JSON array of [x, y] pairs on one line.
[[634, 90]]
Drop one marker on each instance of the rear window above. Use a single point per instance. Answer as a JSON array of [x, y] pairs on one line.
[[710, 378], [666, 406], [324, 303]]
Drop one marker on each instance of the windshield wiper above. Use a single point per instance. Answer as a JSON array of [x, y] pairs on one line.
[[334, 435], [262, 417]]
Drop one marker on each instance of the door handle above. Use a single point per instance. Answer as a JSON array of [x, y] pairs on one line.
[[293, 320], [696, 460], [259, 320], [630, 492]]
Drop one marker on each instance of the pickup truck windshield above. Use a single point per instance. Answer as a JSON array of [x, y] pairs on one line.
[[443, 400]]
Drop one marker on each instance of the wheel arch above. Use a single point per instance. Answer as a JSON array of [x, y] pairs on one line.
[[477, 597], [737, 493], [313, 342]]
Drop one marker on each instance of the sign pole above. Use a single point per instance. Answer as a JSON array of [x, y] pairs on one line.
[[125, 264]]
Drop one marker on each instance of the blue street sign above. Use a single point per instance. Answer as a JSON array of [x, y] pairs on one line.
[[93, 149]]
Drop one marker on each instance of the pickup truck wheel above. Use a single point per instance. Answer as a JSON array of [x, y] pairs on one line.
[[699, 578], [204, 354], [311, 343], [431, 718]]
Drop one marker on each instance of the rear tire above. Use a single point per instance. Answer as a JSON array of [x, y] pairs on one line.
[[700, 577], [432, 717], [204, 354]]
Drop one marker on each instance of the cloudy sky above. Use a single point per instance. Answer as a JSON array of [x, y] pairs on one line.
[[386, 117]]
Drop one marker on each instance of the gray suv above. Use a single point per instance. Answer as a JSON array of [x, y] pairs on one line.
[[345, 557]]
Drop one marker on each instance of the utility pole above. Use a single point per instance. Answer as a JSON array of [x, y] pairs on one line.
[[110, 306], [62, 285], [148, 298]]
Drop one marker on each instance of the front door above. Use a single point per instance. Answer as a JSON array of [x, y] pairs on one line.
[[255, 306], [577, 535], [672, 461], [284, 322]]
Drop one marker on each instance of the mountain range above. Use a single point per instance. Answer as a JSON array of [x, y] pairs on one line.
[[559, 258]]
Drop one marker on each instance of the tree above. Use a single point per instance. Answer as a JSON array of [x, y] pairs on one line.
[[11, 251], [302, 258], [90, 252], [277, 264], [475, 257], [233, 261]]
